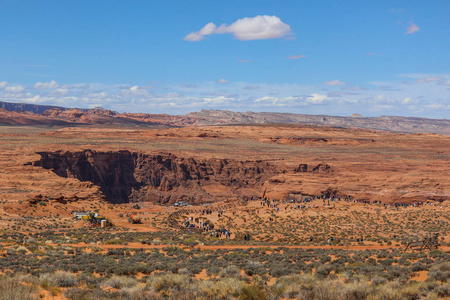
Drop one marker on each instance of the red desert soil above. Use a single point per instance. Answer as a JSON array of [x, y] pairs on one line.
[[296, 161]]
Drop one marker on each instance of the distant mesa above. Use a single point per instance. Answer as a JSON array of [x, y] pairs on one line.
[[31, 114]]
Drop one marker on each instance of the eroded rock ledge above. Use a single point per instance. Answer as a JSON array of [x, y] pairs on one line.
[[125, 176]]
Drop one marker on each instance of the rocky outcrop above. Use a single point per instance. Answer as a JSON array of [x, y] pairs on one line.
[[125, 176], [320, 168], [302, 168]]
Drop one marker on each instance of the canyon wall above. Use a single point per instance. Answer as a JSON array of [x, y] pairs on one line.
[[125, 176]]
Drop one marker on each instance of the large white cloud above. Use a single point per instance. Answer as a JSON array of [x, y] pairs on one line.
[[246, 29]]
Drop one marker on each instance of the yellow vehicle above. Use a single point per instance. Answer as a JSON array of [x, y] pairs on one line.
[[95, 219]]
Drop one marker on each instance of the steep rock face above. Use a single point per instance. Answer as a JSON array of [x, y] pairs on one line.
[[128, 176], [112, 171]]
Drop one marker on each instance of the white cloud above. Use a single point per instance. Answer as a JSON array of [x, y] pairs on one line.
[[447, 82], [246, 29], [413, 28], [222, 81], [218, 100], [334, 82], [316, 98], [208, 29], [409, 100], [296, 56], [46, 85], [135, 90], [3, 84], [36, 99], [14, 89]]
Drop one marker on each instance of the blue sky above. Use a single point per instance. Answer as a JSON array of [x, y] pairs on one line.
[[315, 57]]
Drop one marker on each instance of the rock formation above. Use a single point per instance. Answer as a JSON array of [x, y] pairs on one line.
[[126, 176]]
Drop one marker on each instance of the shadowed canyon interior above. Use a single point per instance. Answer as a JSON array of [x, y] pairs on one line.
[[126, 176]]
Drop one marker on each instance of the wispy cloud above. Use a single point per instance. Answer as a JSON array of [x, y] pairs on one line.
[[243, 60], [246, 29], [296, 56], [397, 10], [189, 86], [413, 28], [429, 79], [334, 82], [222, 81], [409, 100], [251, 87]]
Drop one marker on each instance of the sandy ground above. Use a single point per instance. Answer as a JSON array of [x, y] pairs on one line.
[[366, 164]]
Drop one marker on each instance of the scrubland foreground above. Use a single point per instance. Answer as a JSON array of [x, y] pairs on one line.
[[328, 216]]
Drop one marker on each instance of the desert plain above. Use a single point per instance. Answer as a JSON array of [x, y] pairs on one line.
[[314, 212]]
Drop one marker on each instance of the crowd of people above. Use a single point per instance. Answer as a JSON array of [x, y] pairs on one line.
[[300, 202], [207, 226]]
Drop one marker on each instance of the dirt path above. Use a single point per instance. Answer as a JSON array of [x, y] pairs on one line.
[[231, 247]]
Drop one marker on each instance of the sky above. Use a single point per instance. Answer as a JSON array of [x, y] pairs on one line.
[[372, 58]]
